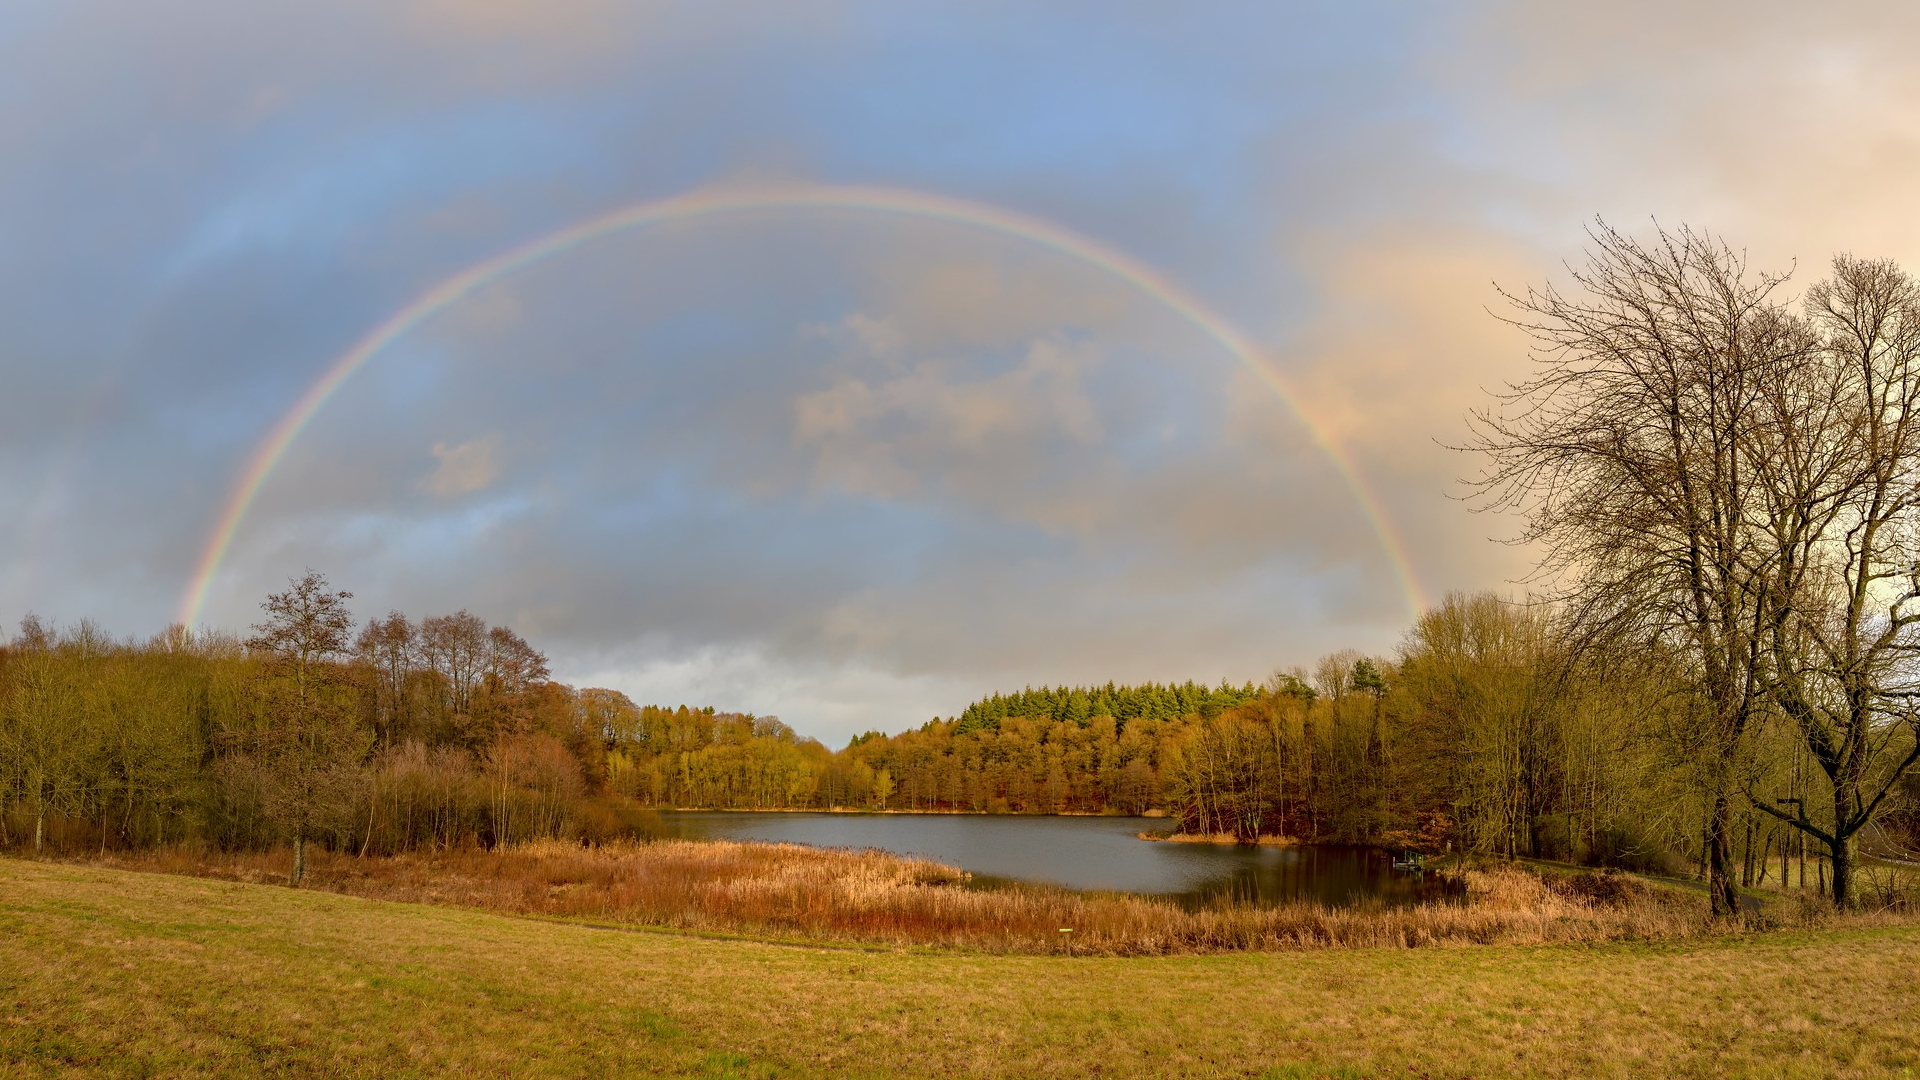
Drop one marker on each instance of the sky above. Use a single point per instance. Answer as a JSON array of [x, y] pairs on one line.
[[1021, 343]]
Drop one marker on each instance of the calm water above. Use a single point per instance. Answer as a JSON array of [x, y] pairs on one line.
[[1086, 853]]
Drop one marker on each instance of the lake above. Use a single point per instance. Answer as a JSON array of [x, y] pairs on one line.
[[1086, 853]]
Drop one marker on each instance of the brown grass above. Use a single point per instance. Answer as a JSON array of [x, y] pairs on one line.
[[789, 891], [105, 973]]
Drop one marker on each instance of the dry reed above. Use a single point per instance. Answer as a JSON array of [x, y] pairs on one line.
[[790, 891]]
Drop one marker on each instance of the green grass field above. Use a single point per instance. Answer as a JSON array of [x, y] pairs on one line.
[[111, 973]]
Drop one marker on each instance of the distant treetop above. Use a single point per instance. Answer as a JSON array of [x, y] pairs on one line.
[[1148, 701]]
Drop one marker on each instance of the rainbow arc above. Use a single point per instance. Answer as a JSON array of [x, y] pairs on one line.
[[716, 202]]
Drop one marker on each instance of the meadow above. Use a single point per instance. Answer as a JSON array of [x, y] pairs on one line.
[[107, 972]]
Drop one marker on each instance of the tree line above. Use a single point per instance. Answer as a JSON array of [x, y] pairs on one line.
[[1492, 728]]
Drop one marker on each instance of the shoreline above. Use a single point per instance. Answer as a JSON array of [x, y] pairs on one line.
[[1216, 839], [1156, 813], [1220, 839]]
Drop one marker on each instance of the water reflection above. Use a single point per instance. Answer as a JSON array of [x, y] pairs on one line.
[[1088, 853]]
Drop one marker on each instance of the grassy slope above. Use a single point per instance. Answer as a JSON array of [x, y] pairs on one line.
[[112, 973]]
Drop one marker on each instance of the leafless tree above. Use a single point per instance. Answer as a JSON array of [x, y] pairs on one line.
[[389, 649], [1838, 457], [511, 665], [1625, 452], [455, 647], [311, 742]]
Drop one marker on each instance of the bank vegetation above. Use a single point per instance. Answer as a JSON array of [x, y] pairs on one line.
[[800, 893]]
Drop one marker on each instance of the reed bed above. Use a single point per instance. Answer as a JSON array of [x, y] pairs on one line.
[[1225, 839], [794, 892]]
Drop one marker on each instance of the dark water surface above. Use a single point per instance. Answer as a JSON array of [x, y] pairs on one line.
[[1086, 853]]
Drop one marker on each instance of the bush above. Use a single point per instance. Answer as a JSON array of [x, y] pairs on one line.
[[1624, 847]]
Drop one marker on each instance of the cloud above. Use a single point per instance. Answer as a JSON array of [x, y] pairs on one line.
[[838, 701], [931, 424], [464, 469]]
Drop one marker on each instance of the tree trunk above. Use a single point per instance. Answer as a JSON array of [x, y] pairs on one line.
[[299, 858], [1840, 851], [1746, 854], [1721, 891], [40, 831], [1846, 820], [367, 842]]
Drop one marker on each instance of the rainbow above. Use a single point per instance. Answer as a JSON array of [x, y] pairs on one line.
[[712, 202]]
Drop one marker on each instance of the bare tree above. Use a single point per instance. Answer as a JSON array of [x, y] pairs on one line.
[[1839, 458], [455, 648], [1625, 451], [311, 742], [42, 729], [389, 649], [511, 665]]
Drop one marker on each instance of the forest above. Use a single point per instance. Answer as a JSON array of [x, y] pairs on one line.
[[1715, 673]]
